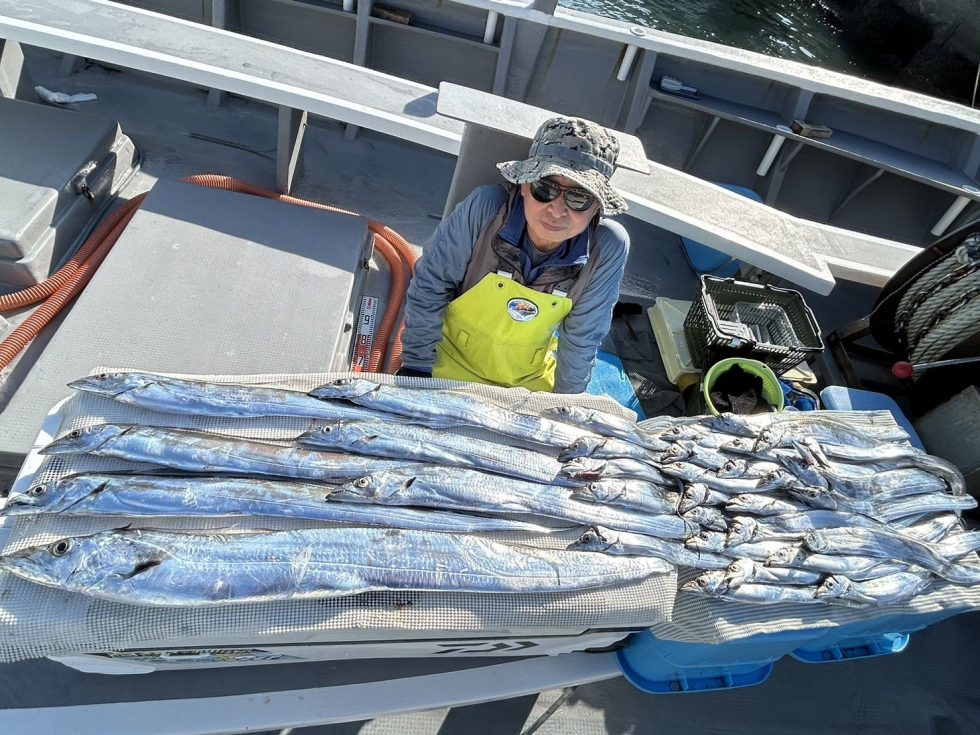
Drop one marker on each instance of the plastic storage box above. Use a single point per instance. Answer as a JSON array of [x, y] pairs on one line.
[[738, 319], [660, 666], [667, 321]]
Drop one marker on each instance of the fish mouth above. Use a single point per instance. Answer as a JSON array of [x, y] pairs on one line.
[[96, 384]]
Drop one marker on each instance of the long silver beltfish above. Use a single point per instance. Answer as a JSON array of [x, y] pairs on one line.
[[184, 569], [697, 493], [887, 590], [744, 570], [604, 447], [624, 543], [638, 495], [455, 488], [200, 452], [188, 495], [817, 424], [894, 546], [607, 425], [762, 505], [587, 469], [402, 441], [446, 406], [715, 586], [199, 398]]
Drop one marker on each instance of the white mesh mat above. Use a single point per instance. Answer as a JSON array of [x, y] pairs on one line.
[[37, 621]]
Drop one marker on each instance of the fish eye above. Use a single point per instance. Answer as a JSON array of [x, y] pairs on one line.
[[37, 491], [102, 376], [702, 582], [588, 537], [704, 535], [362, 481], [60, 548], [75, 433]]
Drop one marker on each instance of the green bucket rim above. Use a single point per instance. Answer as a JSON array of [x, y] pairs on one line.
[[772, 391]]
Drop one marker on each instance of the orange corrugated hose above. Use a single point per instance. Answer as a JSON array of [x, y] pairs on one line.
[[73, 283], [42, 290], [66, 284]]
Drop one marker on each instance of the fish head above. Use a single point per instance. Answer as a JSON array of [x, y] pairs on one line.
[[601, 491], [775, 480], [583, 468], [784, 556], [740, 570], [375, 488], [741, 502], [55, 496], [739, 445], [86, 439], [112, 384], [595, 539], [815, 541], [694, 494], [567, 413], [713, 541], [34, 499], [740, 530], [733, 468], [677, 451], [833, 586], [814, 497], [768, 438], [707, 583], [584, 446], [83, 562], [348, 388], [682, 432]]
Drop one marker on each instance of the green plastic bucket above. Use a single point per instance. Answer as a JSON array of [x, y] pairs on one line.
[[772, 391]]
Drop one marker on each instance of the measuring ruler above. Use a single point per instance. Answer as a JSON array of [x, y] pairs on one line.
[[364, 339]]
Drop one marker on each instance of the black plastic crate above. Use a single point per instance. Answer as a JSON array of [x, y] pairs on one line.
[[735, 318]]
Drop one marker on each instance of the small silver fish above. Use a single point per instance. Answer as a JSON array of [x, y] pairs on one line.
[[196, 451], [199, 398], [634, 544], [444, 406], [632, 494]]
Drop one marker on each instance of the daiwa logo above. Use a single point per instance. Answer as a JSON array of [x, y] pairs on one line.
[[522, 310], [468, 648]]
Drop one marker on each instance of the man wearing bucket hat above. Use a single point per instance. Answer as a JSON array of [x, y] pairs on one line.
[[517, 286]]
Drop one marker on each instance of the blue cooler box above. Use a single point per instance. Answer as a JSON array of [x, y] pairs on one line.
[[659, 666]]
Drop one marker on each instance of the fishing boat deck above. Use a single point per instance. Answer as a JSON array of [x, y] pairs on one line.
[[405, 186]]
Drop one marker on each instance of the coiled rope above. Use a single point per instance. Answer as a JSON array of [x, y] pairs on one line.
[[942, 307]]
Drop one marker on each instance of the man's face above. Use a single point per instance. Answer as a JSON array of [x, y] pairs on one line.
[[549, 224]]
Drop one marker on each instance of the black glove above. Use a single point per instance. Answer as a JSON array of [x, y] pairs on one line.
[[407, 372]]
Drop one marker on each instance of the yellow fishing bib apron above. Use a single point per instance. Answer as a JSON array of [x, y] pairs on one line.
[[502, 333]]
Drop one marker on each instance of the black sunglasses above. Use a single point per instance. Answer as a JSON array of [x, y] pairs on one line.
[[576, 199]]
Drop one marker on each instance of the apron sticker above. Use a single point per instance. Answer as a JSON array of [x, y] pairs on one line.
[[521, 310]]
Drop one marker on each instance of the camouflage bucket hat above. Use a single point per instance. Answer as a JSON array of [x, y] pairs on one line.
[[569, 146]]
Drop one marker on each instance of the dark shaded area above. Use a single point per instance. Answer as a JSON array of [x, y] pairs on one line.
[[738, 391], [898, 47]]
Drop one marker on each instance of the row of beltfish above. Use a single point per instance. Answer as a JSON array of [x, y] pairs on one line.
[[800, 508], [410, 498], [797, 508]]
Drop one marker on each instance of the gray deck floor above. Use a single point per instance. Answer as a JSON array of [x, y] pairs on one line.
[[929, 689]]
